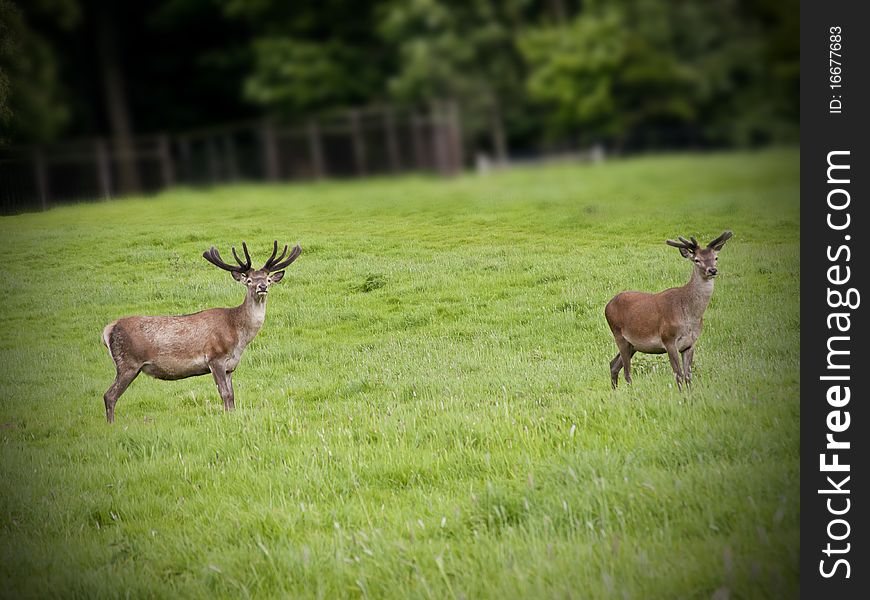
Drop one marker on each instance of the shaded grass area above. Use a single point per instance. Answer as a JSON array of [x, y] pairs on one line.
[[427, 411]]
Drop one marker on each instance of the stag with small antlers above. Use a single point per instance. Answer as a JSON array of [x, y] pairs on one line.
[[210, 341], [669, 321]]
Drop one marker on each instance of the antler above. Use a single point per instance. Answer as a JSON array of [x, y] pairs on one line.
[[719, 241], [684, 243], [272, 260], [274, 264], [214, 257], [247, 264]]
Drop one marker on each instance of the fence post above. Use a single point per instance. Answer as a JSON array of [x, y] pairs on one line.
[[439, 148], [359, 148], [184, 146], [214, 167], [455, 128], [104, 168], [315, 146], [231, 161], [417, 137], [392, 139], [167, 169], [270, 151], [499, 142], [40, 171]]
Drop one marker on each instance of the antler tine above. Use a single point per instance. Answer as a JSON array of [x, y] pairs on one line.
[[674, 244], [272, 260], [694, 241], [721, 239], [283, 254], [213, 256], [687, 243], [294, 254], [244, 265], [236, 256]]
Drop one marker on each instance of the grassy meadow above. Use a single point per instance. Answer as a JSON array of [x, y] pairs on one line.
[[427, 410]]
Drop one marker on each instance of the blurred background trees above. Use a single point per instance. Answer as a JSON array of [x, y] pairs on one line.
[[631, 74], [34, 103], [670, 73]]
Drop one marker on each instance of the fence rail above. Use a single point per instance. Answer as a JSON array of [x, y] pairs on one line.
[[355, 143]]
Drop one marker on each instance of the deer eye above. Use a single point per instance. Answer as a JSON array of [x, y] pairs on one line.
[[248, 280]]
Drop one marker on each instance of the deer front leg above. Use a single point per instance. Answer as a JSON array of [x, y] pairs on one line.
[[688, 356], [224, 383], [674, 356], [232, 392]]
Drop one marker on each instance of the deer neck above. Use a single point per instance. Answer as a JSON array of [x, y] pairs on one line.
[[697, 294], [252, 313]]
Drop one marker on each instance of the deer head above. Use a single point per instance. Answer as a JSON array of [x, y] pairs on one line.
[[705, 259], [256, 280]]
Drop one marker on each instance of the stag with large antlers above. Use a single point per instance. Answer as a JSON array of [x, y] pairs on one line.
[[669, 321], [210, 341]]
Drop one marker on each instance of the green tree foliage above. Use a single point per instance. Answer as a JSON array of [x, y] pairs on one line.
[[308, 56], [296, 76], [9, 23], [639, 72], [605, 77], [721, 71], [33, 105], [457, 49]]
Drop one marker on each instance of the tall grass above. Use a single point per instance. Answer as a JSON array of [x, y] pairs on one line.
[[427, 411]]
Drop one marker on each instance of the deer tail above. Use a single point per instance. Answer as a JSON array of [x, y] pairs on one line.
[[107, 332]]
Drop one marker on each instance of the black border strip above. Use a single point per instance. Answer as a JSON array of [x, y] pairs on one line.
[[833, 261]]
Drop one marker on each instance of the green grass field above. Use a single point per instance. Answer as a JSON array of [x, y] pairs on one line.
[[427, 410]]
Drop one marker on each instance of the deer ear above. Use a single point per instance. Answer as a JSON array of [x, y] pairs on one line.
[[277, 276], [238, 276], [687, 253]]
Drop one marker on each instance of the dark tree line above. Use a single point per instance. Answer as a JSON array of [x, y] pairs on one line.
[[648, 73]]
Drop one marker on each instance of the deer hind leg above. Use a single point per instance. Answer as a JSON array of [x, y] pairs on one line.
[[674, 357], [615, 367], [124, 376], [224, 383], [688, 356], [626, 351]]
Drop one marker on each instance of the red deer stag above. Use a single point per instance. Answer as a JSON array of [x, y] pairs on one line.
[[669, 321], [210, 341]]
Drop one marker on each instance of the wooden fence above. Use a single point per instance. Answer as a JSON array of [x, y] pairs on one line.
[[355, 143]]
